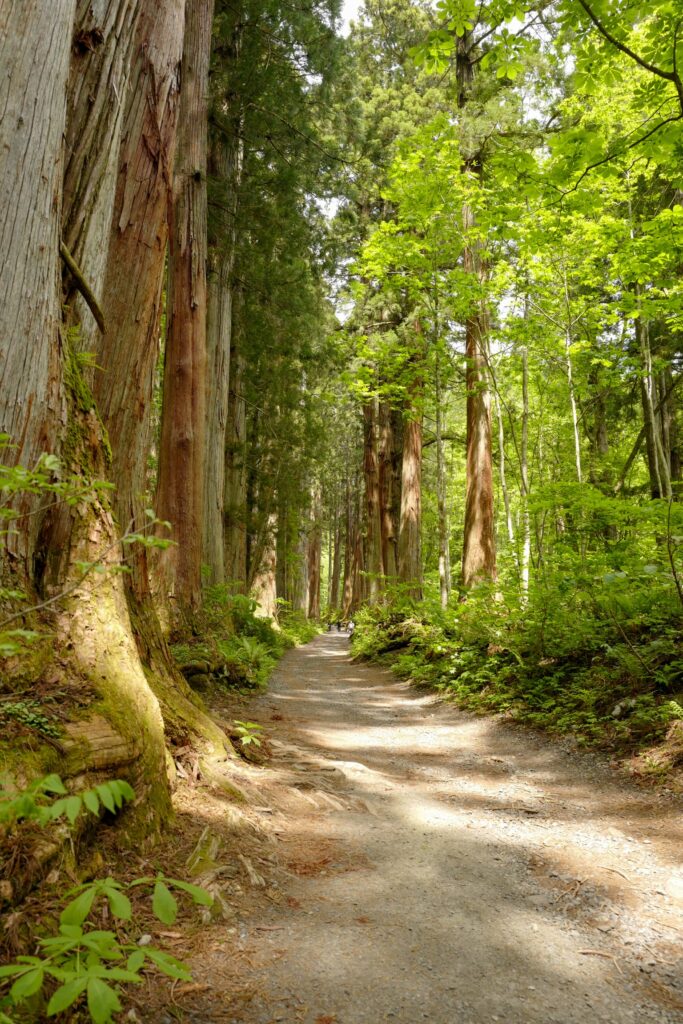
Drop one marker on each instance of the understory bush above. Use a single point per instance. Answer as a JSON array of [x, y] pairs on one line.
[[234, 647], [594, 648]]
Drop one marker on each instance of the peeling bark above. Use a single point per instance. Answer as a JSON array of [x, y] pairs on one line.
[[180, 487]]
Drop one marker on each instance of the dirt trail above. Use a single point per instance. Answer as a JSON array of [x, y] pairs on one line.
[[434, 866]]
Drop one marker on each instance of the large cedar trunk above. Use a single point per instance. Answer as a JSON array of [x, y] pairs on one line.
[[479, 548], [131, 304], [90, 630], [35, 63], [180, 488], [336, 542], [390, 457], [264, 586], [226, 148], [373, 546], [105, 35], [235, 484], [314, 554], [410, 531], [479, 545]]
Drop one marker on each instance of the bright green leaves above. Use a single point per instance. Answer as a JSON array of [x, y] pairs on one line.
[[31, 804], [66, 995], [102, 1001], [461, 15], [164, 903], [93, 962]]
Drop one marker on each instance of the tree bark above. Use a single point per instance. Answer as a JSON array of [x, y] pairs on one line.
[[132, 302], [374, 566], [104, 40], [235, 497], [336, 540], [314, 557], [444, 545], [410, 526], [264, 586], [226, 151], [180, 488], [479, 545], [390, 456], [34, 58]]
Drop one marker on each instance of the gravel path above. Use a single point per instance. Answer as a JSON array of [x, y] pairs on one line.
[[440, 867]]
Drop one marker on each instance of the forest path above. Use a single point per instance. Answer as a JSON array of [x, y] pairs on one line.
[[440, 867]]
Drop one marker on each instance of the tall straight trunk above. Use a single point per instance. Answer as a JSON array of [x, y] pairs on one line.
[[235, 496], [374, 566], [525, 560], [119, 207], [91, 636], [479, 544], [336, 539], [132, 302], [180, 488], [35, 65], [300, 582], [351, 553], [105, 36], [264, 585], [389, 489], [444, 545], [314, 559], [225, 161], [410, 526]]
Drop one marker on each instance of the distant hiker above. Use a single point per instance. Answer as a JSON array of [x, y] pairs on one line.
[[339, 625], [351, 627]]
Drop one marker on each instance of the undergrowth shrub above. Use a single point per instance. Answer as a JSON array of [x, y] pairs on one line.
[[235, 647], [595, 648]]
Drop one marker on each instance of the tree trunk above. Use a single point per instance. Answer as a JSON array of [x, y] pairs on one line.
[[226, 152], [410, 528], [264, 586], [314, 557], [131, 303], [180, 488], [105, 35], [91, 638], [336, 539], [525, 560], [35, 42], [444, 545], [374, 566], [235, 498], [390, 455]]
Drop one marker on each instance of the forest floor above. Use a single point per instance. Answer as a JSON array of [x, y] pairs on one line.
[[401, 860]]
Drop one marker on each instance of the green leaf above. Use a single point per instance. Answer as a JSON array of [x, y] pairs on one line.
[[168, 964], [9, 970], [75, 913], [73, 807], [66, 995], [53, 784], [164, 903], [199, 895], [136, 960], [91, 801], [125, 790], [28, 984], [102, 1001], [105, 794], [119, 904]]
